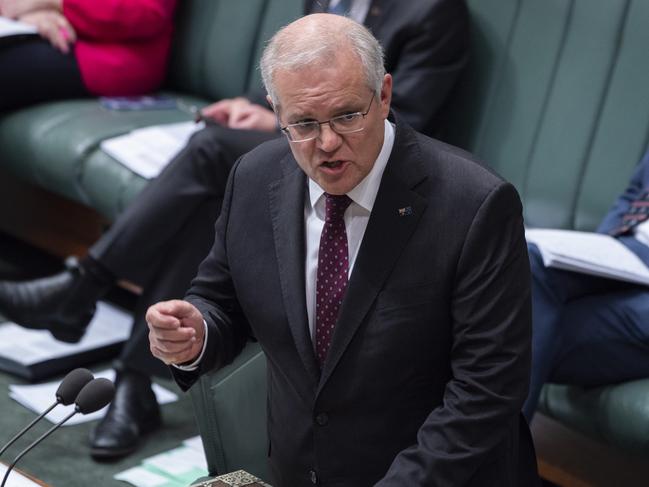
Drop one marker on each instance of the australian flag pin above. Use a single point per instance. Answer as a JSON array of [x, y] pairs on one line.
[[405, 211]]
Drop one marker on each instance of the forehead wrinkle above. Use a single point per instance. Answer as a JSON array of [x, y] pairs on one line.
[[323, 89], [324, 104]]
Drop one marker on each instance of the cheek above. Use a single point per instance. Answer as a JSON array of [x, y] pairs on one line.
[[303, 156]]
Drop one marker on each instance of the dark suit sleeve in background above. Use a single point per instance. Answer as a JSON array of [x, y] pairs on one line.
[[474, 433], [613, 218], [426, 44]]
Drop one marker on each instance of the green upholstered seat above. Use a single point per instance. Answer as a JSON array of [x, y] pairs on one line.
[[556, 99], [215, 53], [230, 406]]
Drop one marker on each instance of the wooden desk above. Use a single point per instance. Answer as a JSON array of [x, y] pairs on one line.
[[16, 474]]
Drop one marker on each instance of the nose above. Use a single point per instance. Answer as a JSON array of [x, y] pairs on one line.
[[328, 139]]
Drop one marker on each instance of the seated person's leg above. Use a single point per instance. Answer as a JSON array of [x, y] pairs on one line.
[[135, 412], [64, 303], [33, 72], [552, 291], [158, 243], [608, 339]]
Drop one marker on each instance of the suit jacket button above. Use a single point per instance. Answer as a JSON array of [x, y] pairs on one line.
[[314, 477], [322, 419]]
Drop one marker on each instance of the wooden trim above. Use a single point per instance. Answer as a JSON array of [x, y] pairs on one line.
[[571, 459], [27, 476], [46, 220]]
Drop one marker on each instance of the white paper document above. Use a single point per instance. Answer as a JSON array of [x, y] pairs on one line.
[[16, 479], [588, 253], [148, 150], [40, 396], [25, 346], [174, 468], [9, 27], [195, 443]]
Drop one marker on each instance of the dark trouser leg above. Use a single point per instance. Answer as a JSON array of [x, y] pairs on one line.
[[170, 281], [552, 292], [134, 411], [607, 339], [138, 238], [33, 71]]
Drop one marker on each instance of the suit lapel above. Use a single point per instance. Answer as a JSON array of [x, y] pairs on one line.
[[286, 200], [396, 214]]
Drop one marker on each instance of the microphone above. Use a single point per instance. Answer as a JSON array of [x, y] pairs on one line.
[[67, 392], [93, 396]]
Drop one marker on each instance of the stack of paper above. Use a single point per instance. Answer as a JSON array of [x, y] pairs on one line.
[[588, 253], [175, 468], [39, 397], [148, 150], [36, 354]]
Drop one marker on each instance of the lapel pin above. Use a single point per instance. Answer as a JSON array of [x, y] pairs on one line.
[[406, 211]]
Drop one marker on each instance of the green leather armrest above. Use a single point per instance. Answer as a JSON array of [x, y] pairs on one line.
[[230, 407]]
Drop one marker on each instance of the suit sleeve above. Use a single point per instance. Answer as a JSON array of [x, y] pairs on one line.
[[623, 202], [212, 292], [490, 355], [432, 51], [119, 20]]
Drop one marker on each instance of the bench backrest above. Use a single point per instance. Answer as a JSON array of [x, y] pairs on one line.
[[556, 99], [218, 43]]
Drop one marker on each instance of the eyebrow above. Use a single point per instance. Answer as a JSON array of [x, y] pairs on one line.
[[299, 117]]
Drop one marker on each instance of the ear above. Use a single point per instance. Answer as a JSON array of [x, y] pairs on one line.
[[386, 95], [270, 103]]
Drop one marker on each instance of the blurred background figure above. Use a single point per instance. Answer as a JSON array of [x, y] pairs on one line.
[[85, 48]]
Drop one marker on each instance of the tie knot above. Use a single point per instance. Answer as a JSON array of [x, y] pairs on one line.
[[335, 206]]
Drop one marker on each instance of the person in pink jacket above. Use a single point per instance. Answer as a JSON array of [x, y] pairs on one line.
[[85, 48]]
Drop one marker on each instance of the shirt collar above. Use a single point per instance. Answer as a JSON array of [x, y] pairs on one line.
[[364, 193]]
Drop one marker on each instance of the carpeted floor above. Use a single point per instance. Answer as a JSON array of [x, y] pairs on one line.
[[62, 460]]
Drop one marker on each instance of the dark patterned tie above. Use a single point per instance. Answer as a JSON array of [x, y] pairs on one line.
[[637, 213], [333, 266]]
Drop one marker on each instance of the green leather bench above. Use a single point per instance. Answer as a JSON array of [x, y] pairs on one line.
[[215, 51], [556, 99]]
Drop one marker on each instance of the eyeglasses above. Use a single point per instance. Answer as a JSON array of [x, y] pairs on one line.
[[343, 124]]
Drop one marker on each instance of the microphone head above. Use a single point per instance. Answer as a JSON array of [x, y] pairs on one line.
[[95, 395], [71, 385]]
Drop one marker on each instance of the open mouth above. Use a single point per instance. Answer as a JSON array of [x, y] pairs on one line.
[[332, 164]]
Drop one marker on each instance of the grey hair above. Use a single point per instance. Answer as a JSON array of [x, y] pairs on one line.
[[320, 43]]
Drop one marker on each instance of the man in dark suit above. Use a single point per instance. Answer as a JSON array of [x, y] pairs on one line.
[[384, 274], [163, 235], [592, 331]]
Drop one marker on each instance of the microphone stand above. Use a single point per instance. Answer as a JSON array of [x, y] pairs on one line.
[[45, 435], [22, 432]]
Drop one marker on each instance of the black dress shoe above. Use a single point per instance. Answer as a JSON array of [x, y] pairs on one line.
[[63, 303], [134, 412]]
